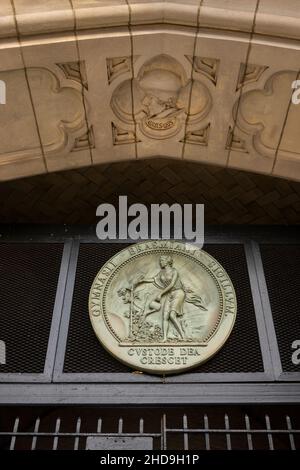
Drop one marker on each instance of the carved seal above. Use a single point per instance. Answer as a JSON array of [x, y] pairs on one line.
[[162, 307]]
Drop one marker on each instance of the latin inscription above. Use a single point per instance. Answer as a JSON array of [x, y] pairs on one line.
[[160, 356], [160, 125]]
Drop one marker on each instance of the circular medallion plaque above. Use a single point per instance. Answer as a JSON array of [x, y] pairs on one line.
[[162, 307]]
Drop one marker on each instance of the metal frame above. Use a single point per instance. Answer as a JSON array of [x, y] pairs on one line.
[[280, 374], [267, 375], [46, 375], [149, 393], [116, 388]]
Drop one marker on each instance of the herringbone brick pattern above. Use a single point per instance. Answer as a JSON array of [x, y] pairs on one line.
[[230, 196]]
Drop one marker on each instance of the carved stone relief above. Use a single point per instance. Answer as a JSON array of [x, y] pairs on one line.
[[160, 98], [58, 108], [122, 136], [234, 142], [261, 117], [86, 140], [249, 73], [198, 136], [205, 66], [75, 71], [116, 66]]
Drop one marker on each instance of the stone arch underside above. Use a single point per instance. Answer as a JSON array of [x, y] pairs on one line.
[[209, 86]]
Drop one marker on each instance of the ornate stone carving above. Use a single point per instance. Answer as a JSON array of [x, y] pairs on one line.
[[234, 142], [75, 71], [116, 66], [206, 66], [198, 136], [59, 112], [262, 116], [122, 136], [162, 99], [85, 141], [249, 73]]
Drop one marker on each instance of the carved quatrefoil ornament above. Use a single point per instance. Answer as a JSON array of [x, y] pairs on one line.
[[161, 99]]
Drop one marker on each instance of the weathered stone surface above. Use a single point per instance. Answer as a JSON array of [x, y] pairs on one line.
[[91, 82]]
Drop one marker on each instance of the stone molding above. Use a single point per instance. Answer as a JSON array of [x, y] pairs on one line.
[[91, 82], [274, 17]]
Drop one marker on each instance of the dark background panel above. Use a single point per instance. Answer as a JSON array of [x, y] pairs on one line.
[[85, 354], [281, 267], [28, 282], [241, 352]]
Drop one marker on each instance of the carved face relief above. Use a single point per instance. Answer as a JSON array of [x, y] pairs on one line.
[[162, 99]]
